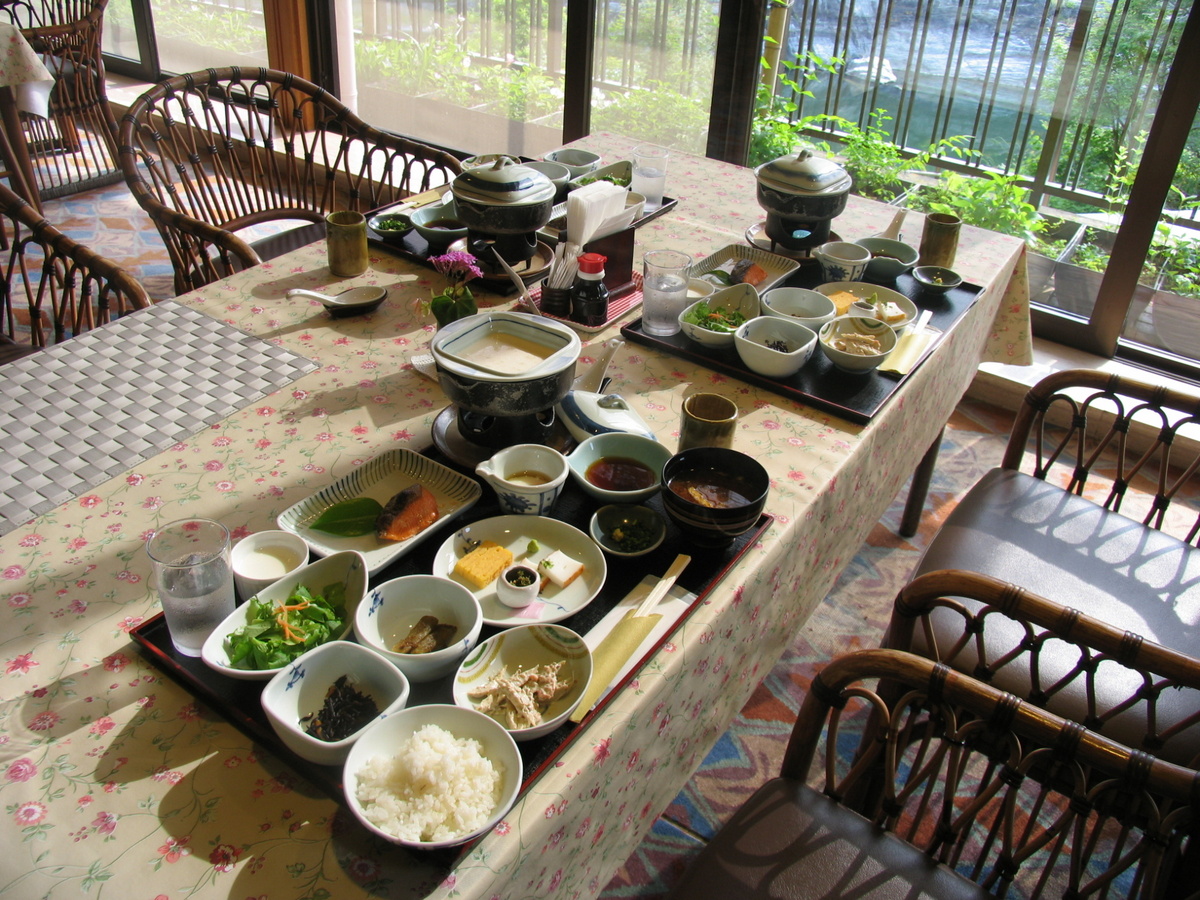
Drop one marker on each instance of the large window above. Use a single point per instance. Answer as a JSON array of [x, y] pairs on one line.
[[1046, 119]]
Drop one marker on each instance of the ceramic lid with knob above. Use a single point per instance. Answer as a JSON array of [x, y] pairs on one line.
[[804, 173], [504, 182]]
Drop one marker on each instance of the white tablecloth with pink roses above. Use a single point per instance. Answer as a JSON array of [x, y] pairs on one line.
[[117, 782]]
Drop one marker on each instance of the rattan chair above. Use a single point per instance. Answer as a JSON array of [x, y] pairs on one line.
[[210, 153], [1103, 518], [75, 149], [1091, 671], [52, 285], [959, 815]]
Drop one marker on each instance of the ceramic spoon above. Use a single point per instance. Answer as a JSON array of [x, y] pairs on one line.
[[352, 302]]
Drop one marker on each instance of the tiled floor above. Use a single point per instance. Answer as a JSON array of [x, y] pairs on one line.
[[852, 616]]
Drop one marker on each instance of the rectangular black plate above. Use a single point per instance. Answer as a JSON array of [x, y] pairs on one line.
[[818, 383], [238, 701]]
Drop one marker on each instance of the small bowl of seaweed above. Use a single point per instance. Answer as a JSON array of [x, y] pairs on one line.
[[622, 529], [323, 701]]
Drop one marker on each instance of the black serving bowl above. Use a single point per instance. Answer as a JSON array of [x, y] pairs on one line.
[[714, 526], [936, 279]]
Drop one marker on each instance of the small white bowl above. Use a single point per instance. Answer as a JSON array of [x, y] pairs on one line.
[[617, 444], [347, 568], [852, 362], [259, 560], [698, 289], [810, 308], [518, 596], [752, 338], [741, 298], [579, 162], [525, 647], [299, 691], [390, 611], [383, 738]]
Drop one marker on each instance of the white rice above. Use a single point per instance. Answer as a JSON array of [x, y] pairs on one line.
[[435, 788]]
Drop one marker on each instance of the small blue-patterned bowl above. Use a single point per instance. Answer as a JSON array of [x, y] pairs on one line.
[[298, 690]]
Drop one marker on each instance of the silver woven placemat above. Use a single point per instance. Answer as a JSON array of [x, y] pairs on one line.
[[77, 413]]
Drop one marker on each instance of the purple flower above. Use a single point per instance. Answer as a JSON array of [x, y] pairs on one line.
[[457, 266]]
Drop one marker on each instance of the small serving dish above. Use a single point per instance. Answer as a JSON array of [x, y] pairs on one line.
[[382, 478], [848, 327], [774, 347], [889, 259], [518, 585], [619, 173], [580, 162], [871, 293], [717, 266], [391, 227], [810, 308], [741, 299], [392, 610], [299, 691], [344, 572], [519, 650], [936, 279], [439, 224], [616, 458], [624, 530], [381, 744]]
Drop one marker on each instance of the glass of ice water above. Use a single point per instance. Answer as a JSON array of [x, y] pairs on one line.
[[650, 174], [193, 578], [664, 290]]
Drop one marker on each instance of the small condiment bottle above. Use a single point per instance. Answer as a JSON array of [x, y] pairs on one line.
[[589, 296]]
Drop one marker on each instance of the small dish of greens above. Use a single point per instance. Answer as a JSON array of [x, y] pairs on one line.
[[305, 609], [624, 530], [712, 320]]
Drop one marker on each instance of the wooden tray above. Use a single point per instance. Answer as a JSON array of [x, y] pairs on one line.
[[853, 397], [238, 700]]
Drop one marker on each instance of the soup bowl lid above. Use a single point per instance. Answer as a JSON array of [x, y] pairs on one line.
[[504, 183]]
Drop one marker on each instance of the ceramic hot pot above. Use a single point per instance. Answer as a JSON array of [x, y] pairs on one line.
[[505, 371], [801, 195], [503, 205]]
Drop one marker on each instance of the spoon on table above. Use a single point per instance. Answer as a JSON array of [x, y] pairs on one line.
[[355, 301]]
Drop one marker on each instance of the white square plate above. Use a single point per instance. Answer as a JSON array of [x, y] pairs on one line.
[[382, 478]]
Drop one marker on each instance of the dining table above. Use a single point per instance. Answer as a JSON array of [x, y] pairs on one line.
[[117, 780]]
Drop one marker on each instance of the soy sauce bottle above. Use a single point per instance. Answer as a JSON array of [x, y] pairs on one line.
[[589, 296]]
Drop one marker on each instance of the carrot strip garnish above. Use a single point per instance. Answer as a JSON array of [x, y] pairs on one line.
[[290, 632]]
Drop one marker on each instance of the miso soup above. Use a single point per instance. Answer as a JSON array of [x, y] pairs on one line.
[[712, 488]]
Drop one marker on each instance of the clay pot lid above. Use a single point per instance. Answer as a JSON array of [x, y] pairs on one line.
[[504, 182], [805, 173]]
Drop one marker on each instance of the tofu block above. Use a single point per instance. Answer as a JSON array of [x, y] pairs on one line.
[[560, 569]]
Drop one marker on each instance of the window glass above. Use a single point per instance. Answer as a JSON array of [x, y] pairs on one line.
[[192, 36]]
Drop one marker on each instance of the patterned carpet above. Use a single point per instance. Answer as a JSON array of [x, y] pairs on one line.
[[853, 615]]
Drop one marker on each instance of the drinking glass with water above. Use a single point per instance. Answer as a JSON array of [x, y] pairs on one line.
[[193, 578], [664, 290], [650, 174]]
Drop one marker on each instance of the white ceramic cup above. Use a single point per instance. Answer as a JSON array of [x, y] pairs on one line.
[[842, 261], [261, 559], [527, 478]]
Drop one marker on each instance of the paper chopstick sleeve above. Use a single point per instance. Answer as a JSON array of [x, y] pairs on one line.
[[608, 658]]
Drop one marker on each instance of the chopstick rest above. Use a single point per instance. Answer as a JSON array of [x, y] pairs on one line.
[[625, 638]]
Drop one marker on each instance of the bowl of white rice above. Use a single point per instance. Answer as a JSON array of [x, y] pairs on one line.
[[432, 776]]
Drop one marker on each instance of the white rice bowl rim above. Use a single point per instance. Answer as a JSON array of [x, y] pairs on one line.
[[385, 736]]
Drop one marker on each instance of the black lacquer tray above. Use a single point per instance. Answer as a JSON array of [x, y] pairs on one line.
[[853, 397], [238, 701]]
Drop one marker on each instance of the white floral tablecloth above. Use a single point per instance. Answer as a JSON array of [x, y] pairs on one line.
[[117, 782]]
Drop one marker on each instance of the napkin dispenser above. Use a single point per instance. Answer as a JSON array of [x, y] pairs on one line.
[[617, 249]]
